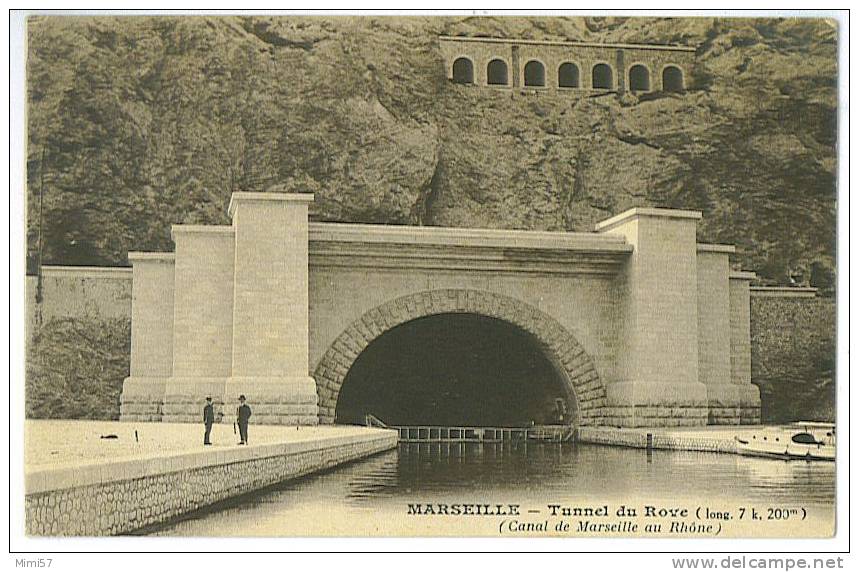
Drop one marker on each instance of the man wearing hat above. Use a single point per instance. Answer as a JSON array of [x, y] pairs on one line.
[[243, 414], [208, 420]]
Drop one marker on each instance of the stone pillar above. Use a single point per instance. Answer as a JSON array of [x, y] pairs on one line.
[[203, 316], [714, 334], [741, 348], [151, 336], [514, 66], [271, 311], [657, 355], [620, 65]]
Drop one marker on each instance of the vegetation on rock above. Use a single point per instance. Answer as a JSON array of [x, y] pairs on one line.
[[75, 368], [138, 123], [793, 358]]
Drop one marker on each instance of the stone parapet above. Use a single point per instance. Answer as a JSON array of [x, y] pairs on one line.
[[424, 249], [646, 212], [782, 292], [83, 272]]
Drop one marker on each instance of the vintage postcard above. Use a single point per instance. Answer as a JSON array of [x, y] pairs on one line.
[[493, 276]]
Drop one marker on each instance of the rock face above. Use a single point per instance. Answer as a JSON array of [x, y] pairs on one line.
[[793, 357], [139, 123]]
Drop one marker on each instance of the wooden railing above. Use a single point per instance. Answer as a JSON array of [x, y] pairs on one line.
[[454, 434]]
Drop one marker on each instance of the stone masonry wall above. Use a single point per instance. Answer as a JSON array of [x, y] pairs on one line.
[[583, 306], [77, 342], [203, 312], [741, 360], [151, 356], [122, 506], [78, 292], [657, 382], [568, 355], [202, 319], [793, 340], [714, 338], [552, 54]]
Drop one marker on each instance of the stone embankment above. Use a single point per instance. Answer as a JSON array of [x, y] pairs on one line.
[[78, 484], [714, 439]]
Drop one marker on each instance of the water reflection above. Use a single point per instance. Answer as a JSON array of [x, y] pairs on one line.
[[591, 470], [530, 474]]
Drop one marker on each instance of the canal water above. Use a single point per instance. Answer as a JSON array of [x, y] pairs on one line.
[[373, 496]]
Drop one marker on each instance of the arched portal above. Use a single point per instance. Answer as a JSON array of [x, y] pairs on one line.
[[639, 78], [496, 72], [455, 370], [568, 75], [672, 79], [463, 71], [602, 77], [574, 366], [535, 74]]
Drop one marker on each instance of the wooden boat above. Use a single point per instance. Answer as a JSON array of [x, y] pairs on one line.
[[808, 440]]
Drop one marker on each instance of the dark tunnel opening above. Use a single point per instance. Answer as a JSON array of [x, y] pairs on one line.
[[455, 369]]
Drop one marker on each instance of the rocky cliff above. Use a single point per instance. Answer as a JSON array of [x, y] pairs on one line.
[[138, 123]]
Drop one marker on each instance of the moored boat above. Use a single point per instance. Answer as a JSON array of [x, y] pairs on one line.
[[808, 440]]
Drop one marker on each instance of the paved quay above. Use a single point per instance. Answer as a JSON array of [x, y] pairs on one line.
[[80, 484], [54, 443], [712, 438]]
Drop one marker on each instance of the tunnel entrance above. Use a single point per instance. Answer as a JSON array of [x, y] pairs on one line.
[[455, 370]]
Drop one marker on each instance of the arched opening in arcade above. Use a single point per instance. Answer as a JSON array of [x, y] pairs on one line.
[[456, 369], [672, 79], [463, 71], [639, 78], [496, 72], [602, 77], [568, 75], [535, 74]]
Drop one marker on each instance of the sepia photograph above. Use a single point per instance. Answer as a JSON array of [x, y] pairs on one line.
[[465, 275]]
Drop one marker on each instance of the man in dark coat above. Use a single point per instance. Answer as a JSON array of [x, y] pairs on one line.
[[243, 414], [208, 420]]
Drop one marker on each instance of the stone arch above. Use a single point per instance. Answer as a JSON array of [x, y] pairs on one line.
[[672, 79], [602, 77], [570, 359], [463, 71], [496, 72], [534, 74], [568, 75], [639, 78]]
